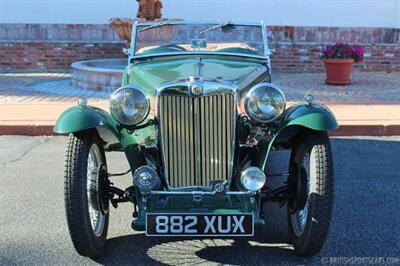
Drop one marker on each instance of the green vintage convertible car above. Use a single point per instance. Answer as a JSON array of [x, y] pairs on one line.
[[197, 117]]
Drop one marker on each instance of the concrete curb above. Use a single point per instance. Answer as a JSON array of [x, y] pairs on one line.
[[345, 130], [367, 130], [37, 118], [27, 130]]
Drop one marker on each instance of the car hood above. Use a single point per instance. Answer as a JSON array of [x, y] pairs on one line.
[[152, 74]]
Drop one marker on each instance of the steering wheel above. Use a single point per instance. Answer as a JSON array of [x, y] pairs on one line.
[[237, 50], [174, 47]]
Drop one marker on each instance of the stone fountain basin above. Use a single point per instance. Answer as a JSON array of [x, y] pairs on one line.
[[98, 74]]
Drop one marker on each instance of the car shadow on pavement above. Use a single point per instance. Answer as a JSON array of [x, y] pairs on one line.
[[364, 220], [139, 249], [269, 245]]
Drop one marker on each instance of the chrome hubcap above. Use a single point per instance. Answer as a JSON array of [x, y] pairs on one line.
[[299, 218], [97, 218]]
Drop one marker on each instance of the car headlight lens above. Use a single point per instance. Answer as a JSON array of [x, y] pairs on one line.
[[146, 179], [252, 178], [264, 103], [129, 105]]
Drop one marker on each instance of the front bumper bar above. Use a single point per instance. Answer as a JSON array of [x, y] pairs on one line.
[[200, 193]]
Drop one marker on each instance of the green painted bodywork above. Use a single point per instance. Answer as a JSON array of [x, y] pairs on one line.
[[312, 117], [151, 73], [79, 118]]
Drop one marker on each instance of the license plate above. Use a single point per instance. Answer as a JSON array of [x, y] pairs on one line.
[[199, 224]]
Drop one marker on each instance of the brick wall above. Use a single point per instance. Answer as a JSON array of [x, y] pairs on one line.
[[297, 49], [306, 57], [53, 56], [55, 46]]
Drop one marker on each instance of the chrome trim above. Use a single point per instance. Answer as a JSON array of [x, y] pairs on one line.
[[255, 24], [175, 22], [210, 87], [200, 192], [217, 26], [267, 51], [194, 136], [299, 218], [246, 172], [96, 213], [154, 25], [197, 141], [260, 57], [133, 41], [199, 65], [262, 84], [134, 87]]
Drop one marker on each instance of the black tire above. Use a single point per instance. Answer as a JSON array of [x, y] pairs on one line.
[[311, 238], [83, 236]]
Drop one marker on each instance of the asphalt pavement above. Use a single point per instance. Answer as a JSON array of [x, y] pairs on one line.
[[33, 228]]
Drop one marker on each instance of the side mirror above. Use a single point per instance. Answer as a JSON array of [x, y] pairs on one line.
[[272, 51], [127, 51]]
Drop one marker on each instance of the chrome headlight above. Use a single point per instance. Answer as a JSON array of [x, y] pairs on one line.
[[264, 103], [146, 179], [129, 105], [252, 178]]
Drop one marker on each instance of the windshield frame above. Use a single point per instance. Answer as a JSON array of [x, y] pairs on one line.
[[136, 25]]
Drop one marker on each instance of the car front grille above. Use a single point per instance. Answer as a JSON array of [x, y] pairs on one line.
[[197, 136]]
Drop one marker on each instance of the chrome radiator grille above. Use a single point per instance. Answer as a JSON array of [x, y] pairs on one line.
[[197, 138]]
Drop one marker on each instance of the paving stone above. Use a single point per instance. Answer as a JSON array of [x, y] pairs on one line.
[[30, 102], [26, 87], [366, 87]]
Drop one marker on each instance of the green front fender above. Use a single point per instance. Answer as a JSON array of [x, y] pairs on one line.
[[315, 116], [79, 118], [297, 118]]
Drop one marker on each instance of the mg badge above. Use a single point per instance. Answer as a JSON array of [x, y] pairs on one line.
[[219, 187], [197, 90]]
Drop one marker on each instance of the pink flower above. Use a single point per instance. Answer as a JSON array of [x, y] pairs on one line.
[[343, 51]]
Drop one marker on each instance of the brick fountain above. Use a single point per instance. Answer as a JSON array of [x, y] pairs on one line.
[[106, 74]]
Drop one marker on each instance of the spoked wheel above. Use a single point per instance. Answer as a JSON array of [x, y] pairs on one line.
[[85, 181], [309, 215]]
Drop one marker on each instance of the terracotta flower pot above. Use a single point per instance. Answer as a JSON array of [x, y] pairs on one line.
[[338, 71]]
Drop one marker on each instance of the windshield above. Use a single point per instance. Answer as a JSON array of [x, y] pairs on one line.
[[226, 37]]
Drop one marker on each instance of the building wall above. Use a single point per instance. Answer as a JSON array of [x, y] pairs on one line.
[[340, 13], [297, 49], [50, 34]]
